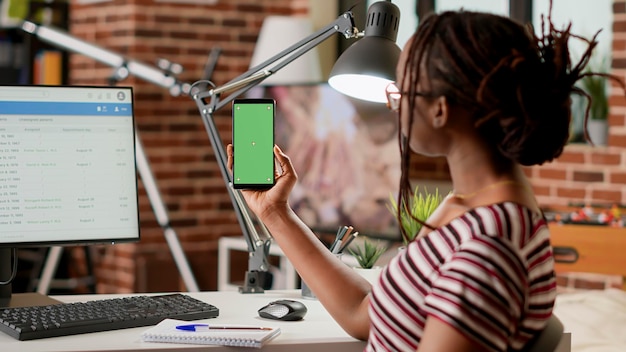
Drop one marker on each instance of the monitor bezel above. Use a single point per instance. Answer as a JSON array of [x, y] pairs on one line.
[[99, 241]]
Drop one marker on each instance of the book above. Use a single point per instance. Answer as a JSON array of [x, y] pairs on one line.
[[48, 67], [166, 331]]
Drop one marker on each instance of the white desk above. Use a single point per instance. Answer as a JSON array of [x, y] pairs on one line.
[[317, 332]]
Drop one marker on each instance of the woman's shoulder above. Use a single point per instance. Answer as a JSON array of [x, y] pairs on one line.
[[503, 211], [508, 220], [510, 207]]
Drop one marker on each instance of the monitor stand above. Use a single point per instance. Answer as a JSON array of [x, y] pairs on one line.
[[10, 299]]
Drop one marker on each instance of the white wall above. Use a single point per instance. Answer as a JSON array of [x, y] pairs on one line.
[[587, 16]]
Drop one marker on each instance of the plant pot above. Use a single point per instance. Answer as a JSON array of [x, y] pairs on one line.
[[370, 275], [598, 131]]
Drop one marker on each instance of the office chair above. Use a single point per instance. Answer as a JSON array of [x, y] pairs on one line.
[[548, 339]]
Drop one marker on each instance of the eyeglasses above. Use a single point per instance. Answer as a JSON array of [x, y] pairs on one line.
[[394, 95]]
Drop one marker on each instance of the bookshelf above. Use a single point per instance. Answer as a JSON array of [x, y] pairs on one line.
[[12, 57], [26, 60]]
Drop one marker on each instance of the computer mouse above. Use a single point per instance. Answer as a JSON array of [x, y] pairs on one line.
[[283, 309]]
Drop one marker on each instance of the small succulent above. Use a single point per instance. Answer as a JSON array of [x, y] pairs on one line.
[[368, 253]]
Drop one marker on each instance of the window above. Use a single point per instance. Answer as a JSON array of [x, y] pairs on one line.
[[587, 18], [500, 7]]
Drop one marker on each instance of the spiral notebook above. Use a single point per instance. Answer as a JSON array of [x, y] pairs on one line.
[[166, 331]]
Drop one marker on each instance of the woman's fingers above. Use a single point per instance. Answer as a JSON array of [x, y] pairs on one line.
[[284, 162], [229, 153]]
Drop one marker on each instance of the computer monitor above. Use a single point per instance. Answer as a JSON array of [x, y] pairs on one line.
[[67, 170], [346, 154]]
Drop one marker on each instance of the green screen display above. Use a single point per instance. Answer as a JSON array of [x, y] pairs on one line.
[[253, 143]]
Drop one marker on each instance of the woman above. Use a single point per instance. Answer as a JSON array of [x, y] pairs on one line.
[[482, 91]]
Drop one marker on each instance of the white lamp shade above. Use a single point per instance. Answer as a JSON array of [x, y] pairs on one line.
[[365, 69], [277, 34]]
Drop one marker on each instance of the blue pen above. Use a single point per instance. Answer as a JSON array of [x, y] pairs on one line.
[[206, 327]]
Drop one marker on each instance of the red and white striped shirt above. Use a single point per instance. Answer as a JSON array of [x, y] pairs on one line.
[[489, 273]]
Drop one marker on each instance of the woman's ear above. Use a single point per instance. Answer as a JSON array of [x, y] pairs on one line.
[[440, 111]]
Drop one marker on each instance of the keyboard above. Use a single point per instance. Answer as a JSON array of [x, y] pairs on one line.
[[30, 323]]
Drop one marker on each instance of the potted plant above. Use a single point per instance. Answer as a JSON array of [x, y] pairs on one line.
[[366, 256], [596, 86], [368, 253], [420, 207]]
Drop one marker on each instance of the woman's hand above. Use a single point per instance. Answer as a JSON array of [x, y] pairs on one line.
[[342, 292], [263, 202]]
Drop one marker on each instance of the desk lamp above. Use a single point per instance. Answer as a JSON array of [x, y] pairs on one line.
[[378, 47], [364, 70]]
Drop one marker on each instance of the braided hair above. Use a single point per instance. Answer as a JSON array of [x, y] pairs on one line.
[[516, 85]]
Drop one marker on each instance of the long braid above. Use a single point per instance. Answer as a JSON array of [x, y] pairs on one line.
[[411, 74], [516, 85]]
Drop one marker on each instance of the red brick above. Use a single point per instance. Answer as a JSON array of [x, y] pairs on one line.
[[618, 177], [553, 174], [619, 63], [573, 157], [588, 284], [617, 140], [619, 45], [570, 193], [605, 158], [617, 99], [619, 26], [588, 176], [607, 196], [617, 120]]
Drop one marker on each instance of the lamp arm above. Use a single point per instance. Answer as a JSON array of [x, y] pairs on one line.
[[343, 24], [123, 67], [209, 101]]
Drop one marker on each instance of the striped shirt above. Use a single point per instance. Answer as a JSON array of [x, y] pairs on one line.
[[488, 273]]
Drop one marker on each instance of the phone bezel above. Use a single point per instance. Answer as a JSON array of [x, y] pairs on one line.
[[257, 186]]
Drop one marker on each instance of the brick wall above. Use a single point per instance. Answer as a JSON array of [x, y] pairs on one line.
[[593, 174], [170, 128], [583, 173], [182, 159], [568, 282]]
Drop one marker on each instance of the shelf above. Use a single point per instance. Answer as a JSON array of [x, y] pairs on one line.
[[19, 51]]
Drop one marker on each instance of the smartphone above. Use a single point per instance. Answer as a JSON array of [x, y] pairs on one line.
[[253, 143]]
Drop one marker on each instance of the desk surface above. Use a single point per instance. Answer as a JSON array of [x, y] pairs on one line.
[[317, 332]]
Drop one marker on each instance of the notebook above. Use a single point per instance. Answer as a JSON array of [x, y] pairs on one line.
[[166, 331]]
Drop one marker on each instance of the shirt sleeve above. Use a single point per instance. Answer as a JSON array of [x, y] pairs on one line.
[[480, 292]]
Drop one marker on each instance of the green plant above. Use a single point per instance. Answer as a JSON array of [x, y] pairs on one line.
[[367, 254], [597, 88], [420, 207]]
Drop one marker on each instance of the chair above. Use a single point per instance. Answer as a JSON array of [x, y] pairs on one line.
[[548, 339]]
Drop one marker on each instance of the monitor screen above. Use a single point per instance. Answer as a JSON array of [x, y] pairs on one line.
[[67, 166], [346, 154]]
